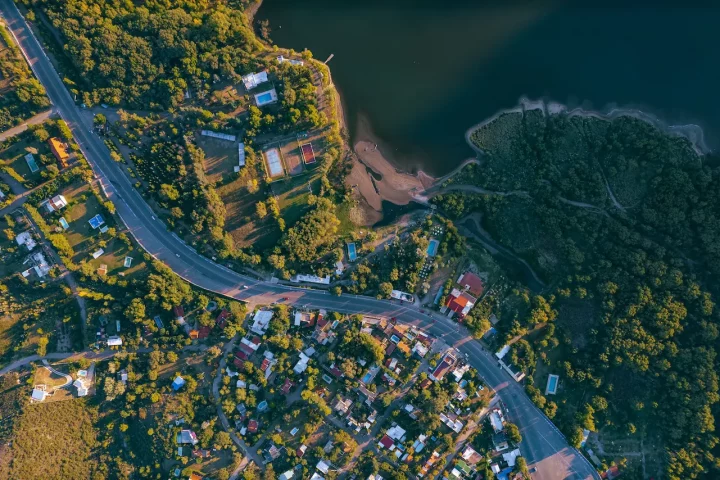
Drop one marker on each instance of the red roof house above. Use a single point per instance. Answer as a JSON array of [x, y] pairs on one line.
[[460, 302], [265, 364], [471, 283], [386, 441], [285, 389], [252, 426], [241, 355], [178, 311], [390, 348], [221, 319], [239, 363]]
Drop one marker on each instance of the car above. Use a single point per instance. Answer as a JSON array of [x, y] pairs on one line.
[[245, 286], [286, 298], [533, 470], [177, 255], [422, 311], [152, 216]]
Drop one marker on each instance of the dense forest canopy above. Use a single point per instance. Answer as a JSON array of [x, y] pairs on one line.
[[623, 219], [140, 54]]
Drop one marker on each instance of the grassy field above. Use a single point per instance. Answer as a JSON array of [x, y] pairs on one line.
[[52, 441], [12, 158], [82, 206], [43, 376], [221, 156]]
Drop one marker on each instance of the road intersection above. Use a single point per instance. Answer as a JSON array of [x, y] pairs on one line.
[[543, 445]]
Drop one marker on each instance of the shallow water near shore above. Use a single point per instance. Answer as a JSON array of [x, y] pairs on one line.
[[424, 72]]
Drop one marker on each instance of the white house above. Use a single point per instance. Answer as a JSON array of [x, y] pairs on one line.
[[252, 80], [302, 364], [261, 320], [82, 390], [114, 341], [25, 238], [56, 203], [38, 394]]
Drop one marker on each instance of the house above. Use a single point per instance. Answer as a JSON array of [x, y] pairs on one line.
[[252, 80], [470, 455], [300, 452], [302, 364], [386, 442], [419, 443], [285, 389], [58, 202], [261, 321], [252, 426], [443, 367], [59, 149], [250, 344], [38, 394], [187, 436], [500, 441], [429, 464], [25, 238], [497, 420], [451, 420], [471, 283], [239, 362], [178, 383], [460, 302], [396, 433], [272, 453], [369, 396], [200, 333], [82, 390], [343, 405], [179, 314], [287, 475], [511, 457], [323, 466], [301, 317], [420, 349], [114, 341], [201, 453], [221, 319], [316, 476]]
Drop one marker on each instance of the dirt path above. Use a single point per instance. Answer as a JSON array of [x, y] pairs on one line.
[[18, 129]]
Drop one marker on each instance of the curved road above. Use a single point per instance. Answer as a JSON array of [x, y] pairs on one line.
[[543, 446]]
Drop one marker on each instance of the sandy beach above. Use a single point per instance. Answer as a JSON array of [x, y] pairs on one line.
[[375, 178]]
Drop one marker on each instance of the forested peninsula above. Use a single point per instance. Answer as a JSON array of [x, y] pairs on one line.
[[621, 220]]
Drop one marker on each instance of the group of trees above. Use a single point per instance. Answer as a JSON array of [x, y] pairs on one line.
[[24, 96], [642, 257], [150, 54]]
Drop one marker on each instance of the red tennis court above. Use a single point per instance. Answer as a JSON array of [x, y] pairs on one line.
[[308, 153]]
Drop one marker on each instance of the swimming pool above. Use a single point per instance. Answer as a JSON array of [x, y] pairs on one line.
[[352, 253], [432, 247], [266, 97], [552, 384]]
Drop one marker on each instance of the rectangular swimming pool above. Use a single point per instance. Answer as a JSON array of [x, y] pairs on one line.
[[432, 247], [352, 253], [266, 97]]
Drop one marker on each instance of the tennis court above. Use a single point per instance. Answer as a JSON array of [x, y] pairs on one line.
[[96, 221], [308, 153], [274, 163]]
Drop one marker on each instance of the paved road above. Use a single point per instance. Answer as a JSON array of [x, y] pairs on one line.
[[542, 444]]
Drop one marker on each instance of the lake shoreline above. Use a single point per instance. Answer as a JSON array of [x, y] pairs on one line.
[[692, 132]]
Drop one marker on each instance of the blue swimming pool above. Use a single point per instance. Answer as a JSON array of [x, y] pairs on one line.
[[552, 383], [432, 247], [352, 254]]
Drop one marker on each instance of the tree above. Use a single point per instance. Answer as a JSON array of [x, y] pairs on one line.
[[99, 120], [513, 433], [385, 289], [42, 346], [135, 311], [260, 209]]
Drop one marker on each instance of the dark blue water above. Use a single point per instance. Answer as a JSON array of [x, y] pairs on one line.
[[424, 72]]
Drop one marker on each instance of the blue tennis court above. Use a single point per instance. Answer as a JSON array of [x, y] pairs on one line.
[[432, 247], [352, 253], [96, 221]]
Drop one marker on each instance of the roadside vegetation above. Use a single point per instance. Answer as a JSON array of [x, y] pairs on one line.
[[21, 95]]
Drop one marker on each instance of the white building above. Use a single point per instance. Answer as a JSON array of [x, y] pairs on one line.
[[114, 341], [41, 267], [25, 238], [56, 203], [261, 321], [302, 364], [311, 279], [399, 295], [38, 394], [252, 80], [82, 390]]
